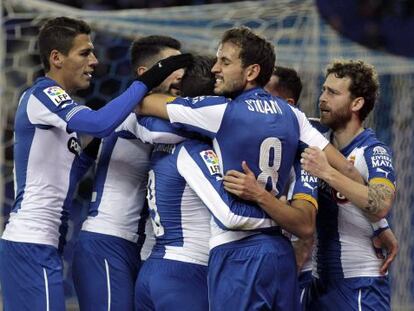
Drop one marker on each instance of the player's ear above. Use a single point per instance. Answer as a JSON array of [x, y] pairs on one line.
[[290, 101], [252, 72], [140, 70], [56, 59], [357, 104]]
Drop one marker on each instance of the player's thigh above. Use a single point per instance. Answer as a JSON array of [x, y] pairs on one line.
[[254, 277], [352, 294], [31, 277], [103, 279], [172, 285]]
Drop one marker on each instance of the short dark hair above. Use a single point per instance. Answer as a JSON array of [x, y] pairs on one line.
[[58, 34], [364, 81], [254, 49], [144, 49], [289, 82], [198, 79]]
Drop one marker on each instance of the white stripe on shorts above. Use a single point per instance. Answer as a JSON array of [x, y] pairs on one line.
[[108, 284], [46, 288]]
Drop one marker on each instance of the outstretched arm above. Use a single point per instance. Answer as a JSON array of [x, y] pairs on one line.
[[102, 122], [154, 105]]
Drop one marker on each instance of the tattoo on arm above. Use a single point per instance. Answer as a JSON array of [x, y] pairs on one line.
[[379, 195]]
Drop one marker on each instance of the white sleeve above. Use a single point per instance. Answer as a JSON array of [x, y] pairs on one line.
[[149, 135], [199, 117], [308, 134], [217, 200]]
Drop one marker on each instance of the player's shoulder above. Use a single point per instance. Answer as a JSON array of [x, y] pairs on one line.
[[49, 92], [371, 141], [316, 123], [194, 146], [200, 101]]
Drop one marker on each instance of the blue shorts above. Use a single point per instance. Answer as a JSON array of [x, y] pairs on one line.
[[170, 285], [105, 268], [256, 273], [31, 277], [352, 294], [305, 281]]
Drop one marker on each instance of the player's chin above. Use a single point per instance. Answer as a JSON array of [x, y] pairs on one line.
[[85, 84], [218, 90]]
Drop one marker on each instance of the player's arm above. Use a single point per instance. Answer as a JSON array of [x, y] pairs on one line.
[[385, 240], [152, 130], [201, 171], [102, 122], [312, 137], [86, 159], [154, 105], [374, 199], [298, 218], [339, 162], [202, 115], [303, 250]]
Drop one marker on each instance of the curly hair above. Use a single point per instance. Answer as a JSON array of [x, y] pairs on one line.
[[364, 81], [253, 50]]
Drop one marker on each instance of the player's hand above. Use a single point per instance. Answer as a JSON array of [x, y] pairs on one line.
[[244, 185], [162, 69], [315, 162], [387, 241]]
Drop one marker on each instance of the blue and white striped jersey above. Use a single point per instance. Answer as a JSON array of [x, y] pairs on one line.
[[344, 248], [47, 164], [184, 187], [256, 127], [180, 220], [121, 176]]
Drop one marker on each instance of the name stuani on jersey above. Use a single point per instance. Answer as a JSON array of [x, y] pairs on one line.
[[263, 106]]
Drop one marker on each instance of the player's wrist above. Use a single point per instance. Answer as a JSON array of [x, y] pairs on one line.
[[261, 196]]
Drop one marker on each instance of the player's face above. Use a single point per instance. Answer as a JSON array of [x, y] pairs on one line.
[[171, 85], [335, 102], [229, 72], [79, 64]]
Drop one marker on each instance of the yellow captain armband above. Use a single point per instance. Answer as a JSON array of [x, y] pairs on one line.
[[384, 181], [170, 99], [306, 197]]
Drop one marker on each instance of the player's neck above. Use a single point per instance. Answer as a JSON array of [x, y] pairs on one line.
[[343, 136], [59, 80]]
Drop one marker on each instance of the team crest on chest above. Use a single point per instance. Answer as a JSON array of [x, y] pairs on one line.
[[56, 94], [211, 161]]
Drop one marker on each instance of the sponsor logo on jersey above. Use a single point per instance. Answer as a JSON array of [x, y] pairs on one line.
[[380, 170], [211, 160], [379, 150], [381, 158], [56, 94], [74, 146]]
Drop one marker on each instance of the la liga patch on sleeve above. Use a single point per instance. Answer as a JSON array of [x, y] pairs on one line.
[[211, 161], [56, 94]]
